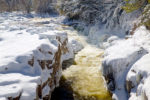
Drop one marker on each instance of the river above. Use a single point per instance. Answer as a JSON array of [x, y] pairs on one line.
[[83, 78]]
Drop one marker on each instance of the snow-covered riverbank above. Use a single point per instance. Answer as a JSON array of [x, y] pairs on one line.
[[125, 65], [32, 51]]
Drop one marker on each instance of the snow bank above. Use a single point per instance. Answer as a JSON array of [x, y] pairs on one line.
[[138, 79], [31, 57], [120, 56]]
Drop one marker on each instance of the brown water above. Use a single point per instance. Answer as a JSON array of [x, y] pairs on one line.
[[82, 80], [84, 76]]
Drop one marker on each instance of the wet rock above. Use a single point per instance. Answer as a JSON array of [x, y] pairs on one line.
[[67, 63], [129, 86], [63, 92], [110, 81]]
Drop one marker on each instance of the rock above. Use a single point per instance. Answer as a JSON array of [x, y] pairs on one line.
[[67, 63], [129, 86], [37, 72], [139, 77], [76, 46], [31, 64], [110, 82], [119, 58], [112, 38]]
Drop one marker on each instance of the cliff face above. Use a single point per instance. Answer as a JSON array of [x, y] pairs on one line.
[[30, 65]]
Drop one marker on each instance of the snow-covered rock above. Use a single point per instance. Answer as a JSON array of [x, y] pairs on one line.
[[138, 79], [31, 57], [76, 46], [120, 57]]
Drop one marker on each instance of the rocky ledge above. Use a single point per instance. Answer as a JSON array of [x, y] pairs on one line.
[[30, 65]]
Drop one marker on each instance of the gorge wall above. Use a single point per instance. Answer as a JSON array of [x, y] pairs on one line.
[[31, 57]]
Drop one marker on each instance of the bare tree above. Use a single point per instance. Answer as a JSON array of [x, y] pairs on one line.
[[41, 6], [27, 4], [9, 4]]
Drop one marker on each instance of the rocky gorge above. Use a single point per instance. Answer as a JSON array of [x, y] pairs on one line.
[[74, 50]]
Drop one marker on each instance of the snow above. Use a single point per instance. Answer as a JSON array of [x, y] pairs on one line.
[[139, 76], [109, 18], [28, 50], [11, 48], [34, 38], [76, 46], [14, 83], [120, 57]]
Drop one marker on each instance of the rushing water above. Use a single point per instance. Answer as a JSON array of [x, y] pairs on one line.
[[84, 77]]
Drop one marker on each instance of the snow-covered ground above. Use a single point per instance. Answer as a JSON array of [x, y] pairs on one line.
[[32, 50], [126, 65]]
